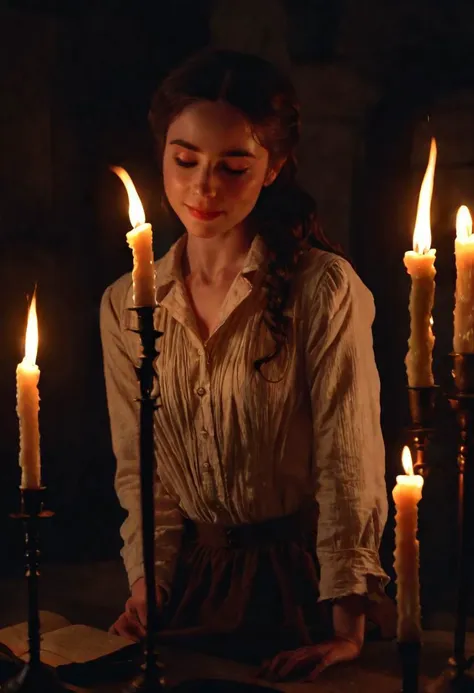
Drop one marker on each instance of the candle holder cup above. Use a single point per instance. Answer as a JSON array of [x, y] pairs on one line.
[[150, 679], [35, 676], [422, 402]]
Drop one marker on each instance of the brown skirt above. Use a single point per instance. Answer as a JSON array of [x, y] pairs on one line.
[[247, 592]]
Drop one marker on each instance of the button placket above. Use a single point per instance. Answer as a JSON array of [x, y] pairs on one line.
[[204, 427]]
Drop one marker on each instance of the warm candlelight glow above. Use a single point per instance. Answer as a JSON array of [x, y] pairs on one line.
[[27, 405], [420, 266], [407, 461], [422, 233], [464, 224], [463, 340], [31, 340], [407, 494], [409, 478], [135, 210]]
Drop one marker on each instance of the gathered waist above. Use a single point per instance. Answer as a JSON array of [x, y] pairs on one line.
[[298, 526]]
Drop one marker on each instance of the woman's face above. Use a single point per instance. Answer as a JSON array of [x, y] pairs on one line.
[[213, 168]]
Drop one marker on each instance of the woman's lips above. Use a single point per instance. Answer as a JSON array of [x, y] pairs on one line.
[[203, 216]]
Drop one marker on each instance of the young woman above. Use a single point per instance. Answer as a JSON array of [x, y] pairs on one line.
[[270, 491]]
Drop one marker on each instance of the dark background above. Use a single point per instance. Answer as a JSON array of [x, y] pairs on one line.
[[376, 80]]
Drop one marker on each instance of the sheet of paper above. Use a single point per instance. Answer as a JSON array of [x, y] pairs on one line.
[[81, 643], [16, 637], [61, 642]]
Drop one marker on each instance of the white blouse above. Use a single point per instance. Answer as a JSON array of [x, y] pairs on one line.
[[232, 447]]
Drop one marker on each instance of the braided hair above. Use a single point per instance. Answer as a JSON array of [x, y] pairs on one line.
[[285, 215]]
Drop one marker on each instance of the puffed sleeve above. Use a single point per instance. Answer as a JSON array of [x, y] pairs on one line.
[[348, 449], [122, 390]]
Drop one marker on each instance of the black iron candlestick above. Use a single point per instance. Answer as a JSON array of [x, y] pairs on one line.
[[409, 653], [150, 679], [35, 677]]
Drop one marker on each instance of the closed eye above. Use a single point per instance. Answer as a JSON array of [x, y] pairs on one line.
[[235, 171], [227, 169], [184, 164]]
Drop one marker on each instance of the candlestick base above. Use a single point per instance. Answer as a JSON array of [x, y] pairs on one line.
[[149, 680], [37, 678]]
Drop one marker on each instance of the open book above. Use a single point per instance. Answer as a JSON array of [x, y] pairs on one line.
[[62, 642], [83, 655]]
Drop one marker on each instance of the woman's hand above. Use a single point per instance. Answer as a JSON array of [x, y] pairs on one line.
[[348, 616], [308, 662], [132, 623]]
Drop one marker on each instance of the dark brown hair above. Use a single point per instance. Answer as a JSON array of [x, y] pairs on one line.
[[285, 215]]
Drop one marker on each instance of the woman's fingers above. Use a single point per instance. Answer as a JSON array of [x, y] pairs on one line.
[[136, 611], [284, 663], [296, 659], [128, 627], [312, 659]]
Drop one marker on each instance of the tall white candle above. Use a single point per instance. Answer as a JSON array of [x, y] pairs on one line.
[[140, 240], [407, 495], [27, 377], [420, 266], [464, 309]]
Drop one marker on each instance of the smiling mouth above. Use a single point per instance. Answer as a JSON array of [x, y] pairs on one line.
[[202, 214]]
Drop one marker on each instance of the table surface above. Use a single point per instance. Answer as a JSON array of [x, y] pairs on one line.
[[376, 670]]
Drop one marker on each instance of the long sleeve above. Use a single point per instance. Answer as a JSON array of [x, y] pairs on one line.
[[348, 449], [121, 387]]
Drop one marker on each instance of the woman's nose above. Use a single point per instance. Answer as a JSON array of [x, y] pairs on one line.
[[205, 184]]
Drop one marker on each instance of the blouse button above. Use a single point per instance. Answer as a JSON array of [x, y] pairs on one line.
[[201, 391], [206, 465]]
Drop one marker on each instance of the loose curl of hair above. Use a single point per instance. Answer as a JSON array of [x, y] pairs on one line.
[[285, 214]]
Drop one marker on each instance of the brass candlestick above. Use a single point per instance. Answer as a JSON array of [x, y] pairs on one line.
[[35, 677], [150, 679], [422, 406], [458, 676]]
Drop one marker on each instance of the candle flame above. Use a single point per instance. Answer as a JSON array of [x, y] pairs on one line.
[[407, 461], [422, 233], [463, 224], [135, 209], [31, 340]]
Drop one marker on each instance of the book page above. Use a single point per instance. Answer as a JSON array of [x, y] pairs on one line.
[[61, 642], [81, 643], [16, 637]]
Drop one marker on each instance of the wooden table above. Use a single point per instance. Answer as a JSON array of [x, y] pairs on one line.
[[375, 671]]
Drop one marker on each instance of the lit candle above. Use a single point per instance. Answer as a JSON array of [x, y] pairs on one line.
[[407, 495], [140, 240], [420, 266], [464, 310], [27, 377]]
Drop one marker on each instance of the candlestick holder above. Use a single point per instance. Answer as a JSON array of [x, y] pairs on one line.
[[35, 676], [458, 675], [409, 654], [462, 402], [421, 401], [150, 679]]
